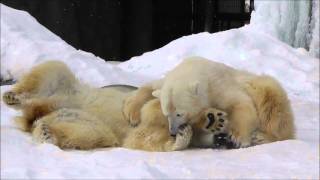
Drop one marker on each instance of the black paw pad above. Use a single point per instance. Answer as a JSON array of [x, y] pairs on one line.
[[219, 113], [223, 141], [211, 119], [210, 116]]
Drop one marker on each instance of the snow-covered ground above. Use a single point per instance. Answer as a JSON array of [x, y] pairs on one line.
[[24, 43], [293, 22]]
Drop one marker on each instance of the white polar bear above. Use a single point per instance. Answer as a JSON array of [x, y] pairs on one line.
[[258, 107]]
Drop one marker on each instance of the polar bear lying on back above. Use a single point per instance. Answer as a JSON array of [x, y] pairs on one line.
[[258, 107], [58, 109]]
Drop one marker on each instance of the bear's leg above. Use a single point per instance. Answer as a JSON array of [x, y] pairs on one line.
[[273, 107], [153, 133], [133, 104], [35, 108], [243, 121], [43, 80], [32, 110], [73, 129]]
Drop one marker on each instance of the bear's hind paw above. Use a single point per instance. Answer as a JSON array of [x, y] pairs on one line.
[[43, 134], [216, 121], [11, 98]]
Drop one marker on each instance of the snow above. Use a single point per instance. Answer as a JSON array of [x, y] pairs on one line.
[[24, 40], [243, 48], [314, 43], [289, 21], [24, 43]]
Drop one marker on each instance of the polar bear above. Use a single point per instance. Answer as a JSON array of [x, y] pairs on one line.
[[258, 107], [58, 109]]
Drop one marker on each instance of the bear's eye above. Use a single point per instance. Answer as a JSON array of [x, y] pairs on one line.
[[179, 115]]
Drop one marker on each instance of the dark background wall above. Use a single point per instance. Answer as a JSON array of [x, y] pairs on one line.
[[120, 29]]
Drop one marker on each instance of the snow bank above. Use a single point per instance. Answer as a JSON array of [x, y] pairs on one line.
[[24, 42], [315, 41], [243, 48], [289, 21]]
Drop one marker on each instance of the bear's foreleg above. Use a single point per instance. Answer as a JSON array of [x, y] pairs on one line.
[[243, 121], [133, 104]]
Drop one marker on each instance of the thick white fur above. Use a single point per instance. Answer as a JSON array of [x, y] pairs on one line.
[[57, 108], [258, 106]]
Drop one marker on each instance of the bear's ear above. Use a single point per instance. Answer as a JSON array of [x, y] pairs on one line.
[[156, 93], [195, 87]]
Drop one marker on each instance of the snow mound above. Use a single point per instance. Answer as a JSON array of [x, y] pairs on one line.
[[293, 22], [243, 48], [25, 43]]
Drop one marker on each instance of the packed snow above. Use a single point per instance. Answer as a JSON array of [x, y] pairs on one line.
[[314, 42], [24, 40], [24, 43], [290, 21]]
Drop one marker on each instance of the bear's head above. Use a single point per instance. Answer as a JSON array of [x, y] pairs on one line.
[[182, 102]]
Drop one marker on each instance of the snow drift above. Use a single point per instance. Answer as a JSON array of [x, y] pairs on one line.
[[24, 43], [293, 22]]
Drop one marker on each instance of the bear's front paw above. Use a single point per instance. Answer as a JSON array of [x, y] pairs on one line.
[[222, 141], [11, 99], [183, 137], [131, 111], [216, 121]]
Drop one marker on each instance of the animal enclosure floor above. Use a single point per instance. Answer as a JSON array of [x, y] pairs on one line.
[[24, 43]]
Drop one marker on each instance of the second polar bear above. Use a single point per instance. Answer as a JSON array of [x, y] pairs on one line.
[[258, 106]]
